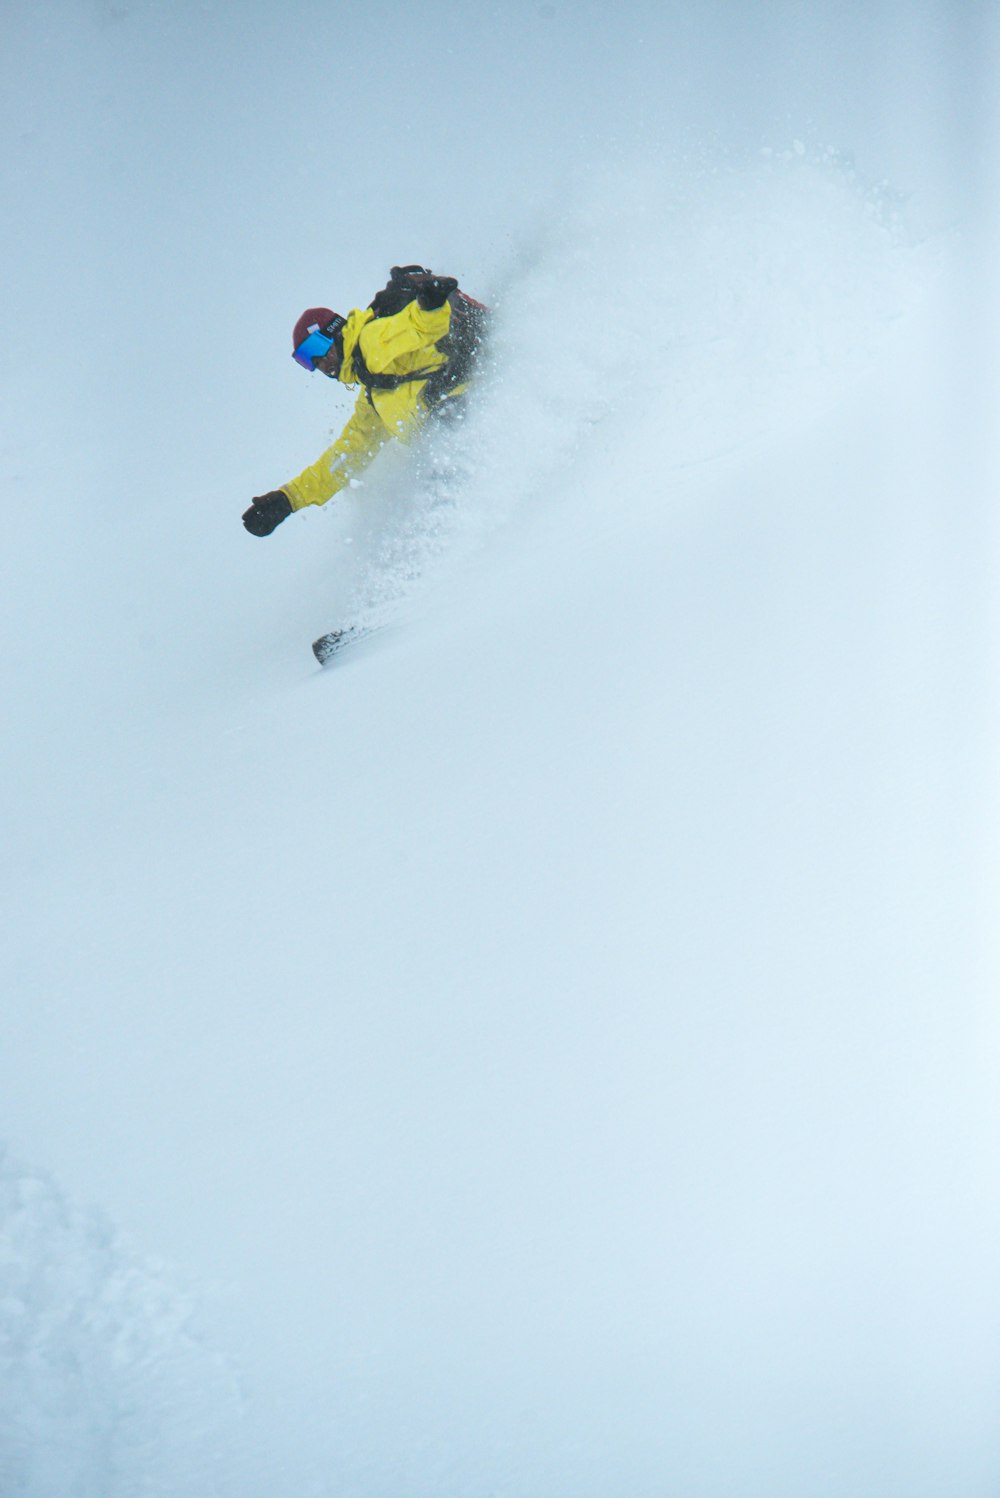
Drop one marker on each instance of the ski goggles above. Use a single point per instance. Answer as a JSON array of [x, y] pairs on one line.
[[316, 344]]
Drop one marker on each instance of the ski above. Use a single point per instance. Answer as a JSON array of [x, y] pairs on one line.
[[328, 645], [334, 643]]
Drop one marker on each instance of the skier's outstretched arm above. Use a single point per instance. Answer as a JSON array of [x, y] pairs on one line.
[[348, 457]]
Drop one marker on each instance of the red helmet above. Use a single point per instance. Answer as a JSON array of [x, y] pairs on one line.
[[321, 318]]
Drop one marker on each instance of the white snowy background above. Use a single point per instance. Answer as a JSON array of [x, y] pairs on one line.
[[552, 1054]]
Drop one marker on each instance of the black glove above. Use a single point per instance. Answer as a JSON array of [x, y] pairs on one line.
[[434, 291], [267, 512]]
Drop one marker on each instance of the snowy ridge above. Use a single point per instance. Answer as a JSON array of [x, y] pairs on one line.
[[105, 1386]]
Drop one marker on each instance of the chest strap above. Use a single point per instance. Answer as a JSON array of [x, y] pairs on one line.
[[372, 381]]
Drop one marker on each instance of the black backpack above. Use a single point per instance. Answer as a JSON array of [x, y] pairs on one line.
[[464, 340], [400, 289]]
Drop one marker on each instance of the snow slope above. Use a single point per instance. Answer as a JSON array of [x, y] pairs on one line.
[[551, 1052]]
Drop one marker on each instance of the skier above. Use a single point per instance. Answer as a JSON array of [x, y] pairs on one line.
[[411, 351]]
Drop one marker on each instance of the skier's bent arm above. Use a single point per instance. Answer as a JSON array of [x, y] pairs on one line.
[[349, 456], [414, 330]]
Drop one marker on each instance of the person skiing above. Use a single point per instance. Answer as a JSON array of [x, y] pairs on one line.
[[411, 351]]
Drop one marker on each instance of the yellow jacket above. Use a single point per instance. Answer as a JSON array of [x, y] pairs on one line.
[[400, 344]]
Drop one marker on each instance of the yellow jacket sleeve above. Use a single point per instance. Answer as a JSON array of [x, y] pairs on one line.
[[349, 456]]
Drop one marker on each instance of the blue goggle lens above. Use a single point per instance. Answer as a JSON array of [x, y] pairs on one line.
[[311, 349]]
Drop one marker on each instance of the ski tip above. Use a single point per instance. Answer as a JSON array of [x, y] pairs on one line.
[[329, 645], [326, 647]]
